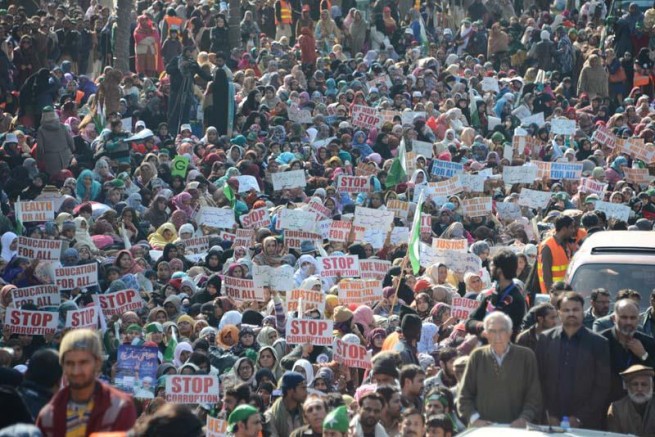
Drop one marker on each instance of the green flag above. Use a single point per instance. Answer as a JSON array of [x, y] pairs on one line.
[[397, 172], [415, 237], [229, 195]]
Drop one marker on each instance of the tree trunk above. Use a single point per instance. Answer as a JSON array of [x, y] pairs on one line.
[[122, 48]]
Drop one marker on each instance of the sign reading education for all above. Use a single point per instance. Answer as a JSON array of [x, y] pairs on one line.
[[36, 248], [68, 278], [39, 295], [242, 290]]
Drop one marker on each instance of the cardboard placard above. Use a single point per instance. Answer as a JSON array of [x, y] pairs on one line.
[[477, 206], [366, 117], [461, 308], [276, 278], [490, 84], [422, 148], [197, 244], [35, 211], [400, 208], [219, 218], [374, 268], [24, 322], [508, 210], [216, 427], [459, 262], [446, 169], [535, 118], [472, 183], [310, 300], [534, 198], [353, 184], [351, 355], [257, 218], [339, 230], [346, 266], [36, 248], [460, 245], [192, 389], [370, 218], [565, 170], [294, 239], [604, 137], [524, 174], [296, 220], [288, 179], [588, 185], [39, 295], [562, 126], [309, 331], [247, 183], [119, 302], [88, 318], [360, 291], [613, 210], [68, 278], [399, 235], [242, 290]]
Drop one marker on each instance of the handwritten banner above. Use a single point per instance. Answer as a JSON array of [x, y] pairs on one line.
[[288, 179], [508, 210], [296, 220], [534, 198], [459, 262], [276, 278], [221, 218], [613, 210], [519, 174]]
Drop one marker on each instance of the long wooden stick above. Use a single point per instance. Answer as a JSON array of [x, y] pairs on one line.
[[403, 265]]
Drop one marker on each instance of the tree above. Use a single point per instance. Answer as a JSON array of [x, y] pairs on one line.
[[122, 47]]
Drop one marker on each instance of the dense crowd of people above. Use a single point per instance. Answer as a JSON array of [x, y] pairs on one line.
[[355, 219]]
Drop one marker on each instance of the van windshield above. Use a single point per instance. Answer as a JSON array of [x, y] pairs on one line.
[[615, 277]]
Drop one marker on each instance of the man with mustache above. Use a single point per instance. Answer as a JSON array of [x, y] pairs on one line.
[[627, 346], [635, 413]]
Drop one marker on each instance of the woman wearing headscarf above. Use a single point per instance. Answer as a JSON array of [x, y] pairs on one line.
[[375, 339], [243, 372], [165, 234], [429, 336], [182, 202], [305, 368], [147, 48], [357, 31], [306, 266], [126, 263], [156, 214], [87, 188], [220, 113], [82, 235], [269, 255], [182, 353], [9, 243]]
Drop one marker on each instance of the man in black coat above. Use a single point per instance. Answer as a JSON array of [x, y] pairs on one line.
[[574, 368]]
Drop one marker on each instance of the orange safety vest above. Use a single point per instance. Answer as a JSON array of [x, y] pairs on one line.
[[560, 262], [173, 22], [285, 13]]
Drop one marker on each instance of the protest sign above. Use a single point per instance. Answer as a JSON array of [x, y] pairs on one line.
[[342, 266], [321, 210], [247, 183], [323, 228], [359, 291], [562, 126], [370, 218], [588, 185], [84, 318], [365, 117], [276, 278], [243, 237], [35, 211], [192, 389], [374, 268], [24, 322], [136, 370], [242, 290], [638, 149], [508, 152], [604, 137], [639, 176], [490, 84], [310, 299], [366, 169], [613, 210], [460, 245], [524, 174], [55, 196], [544, 169], [257, 218], [297, 115], [179, 166], [296, 220], [472, 183], [228, 236], [68, 278], [294, 239], [410, 162], [446, 169], [197, 244], [538, 119], [36, 248], [534, 198], [426, 224], [216, 427], [119, 302], [288, 179], [389, 115], [477, 206], [521, 143], [461, 308], [399, 235], [39, 295], [309, 331], [221, 218], [459, 262], [521, 112], [565, 170], [407, 117], [353, 184], [400, 208], [339, 230], [508, 210], [351, 355], [422, 148]]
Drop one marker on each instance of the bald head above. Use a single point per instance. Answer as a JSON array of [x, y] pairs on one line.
[[626, 318]]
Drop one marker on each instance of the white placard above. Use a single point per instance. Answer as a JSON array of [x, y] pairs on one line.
[[83, 318], [346, 266], [534, 198], [119, 302], [192, 389], [36, 248], [276, 278], [68, 278], [247, 183], [296, 220], [24, 322], [562, 126], [220, 218], [308, 331], [613, 210], [289, 179], [40, 295], [524, 174], [257, 218]]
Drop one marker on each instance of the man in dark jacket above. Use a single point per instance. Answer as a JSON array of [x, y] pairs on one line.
[[411, 327], [543, 52], [41, 380], [574, 368]]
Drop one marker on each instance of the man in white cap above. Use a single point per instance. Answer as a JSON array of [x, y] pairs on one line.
[[634, 414]]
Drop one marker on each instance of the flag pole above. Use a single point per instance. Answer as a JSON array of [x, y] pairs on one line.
[[403, 265]]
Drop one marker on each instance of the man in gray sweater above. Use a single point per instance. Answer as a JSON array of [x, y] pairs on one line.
[[501, 380]]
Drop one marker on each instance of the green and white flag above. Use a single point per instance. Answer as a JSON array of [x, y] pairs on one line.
[[415, 237]]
